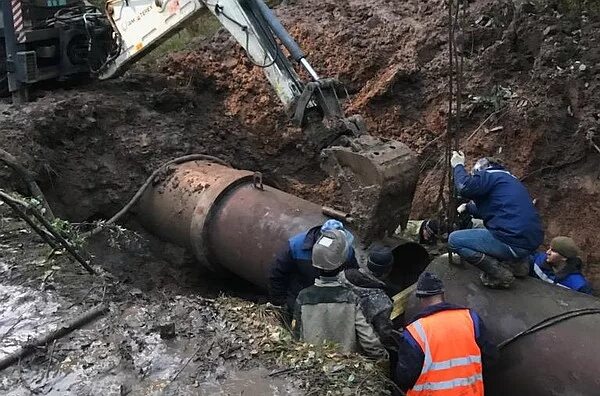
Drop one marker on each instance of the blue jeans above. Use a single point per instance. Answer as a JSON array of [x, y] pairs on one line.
[[473, 243]]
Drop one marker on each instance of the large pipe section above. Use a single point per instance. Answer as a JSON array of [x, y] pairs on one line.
[[562, 358], [231, 221], [227, 217]]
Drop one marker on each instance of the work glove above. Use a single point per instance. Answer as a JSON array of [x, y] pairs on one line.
[[458, 158], [462, 208]]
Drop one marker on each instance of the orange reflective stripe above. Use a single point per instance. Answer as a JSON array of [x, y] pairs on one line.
[[452, 362]]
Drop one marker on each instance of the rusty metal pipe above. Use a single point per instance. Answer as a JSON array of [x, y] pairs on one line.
[[561, 359], [225, 217]]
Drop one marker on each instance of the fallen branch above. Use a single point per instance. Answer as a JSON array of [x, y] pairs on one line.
[[12, 327], [149, 180], [544, 168], [290, 370], [14, 203], [482, 124], [50, 359], [32, 186], [594, 145], [63, 330], [433, 141], [188, 362]]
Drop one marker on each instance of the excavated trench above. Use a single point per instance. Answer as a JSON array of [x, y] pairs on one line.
[[531, 82], [92, 147], [530, 95]]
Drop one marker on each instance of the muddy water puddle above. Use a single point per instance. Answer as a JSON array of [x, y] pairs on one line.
[[248, 383], [126, 352], [165, 340]]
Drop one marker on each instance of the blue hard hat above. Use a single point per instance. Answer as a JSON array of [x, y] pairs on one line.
[[332, 224]]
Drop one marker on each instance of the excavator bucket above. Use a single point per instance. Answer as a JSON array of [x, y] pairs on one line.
[[378, 178]]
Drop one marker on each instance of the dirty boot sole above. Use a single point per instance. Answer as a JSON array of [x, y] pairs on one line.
[[493, 283]]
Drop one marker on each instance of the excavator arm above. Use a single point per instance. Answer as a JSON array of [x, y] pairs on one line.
[[140, 25], [378, 176]]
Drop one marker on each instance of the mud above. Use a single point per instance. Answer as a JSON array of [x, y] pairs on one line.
[[129, 350], [169, 329], [530, 95]]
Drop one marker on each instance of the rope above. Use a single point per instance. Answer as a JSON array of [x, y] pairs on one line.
[[449, 125], [455, 68], [551, 321]]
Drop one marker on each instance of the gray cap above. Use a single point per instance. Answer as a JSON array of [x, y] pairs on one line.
[[331, 250]]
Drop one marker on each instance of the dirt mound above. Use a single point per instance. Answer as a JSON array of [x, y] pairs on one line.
[[530, 89], [530, 96], [92, 147]]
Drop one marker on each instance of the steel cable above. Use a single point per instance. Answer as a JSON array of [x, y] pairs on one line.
[[547, 322]]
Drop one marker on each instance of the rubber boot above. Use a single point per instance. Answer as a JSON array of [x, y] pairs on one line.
[[520, 267], [495, 275], [456, 259]]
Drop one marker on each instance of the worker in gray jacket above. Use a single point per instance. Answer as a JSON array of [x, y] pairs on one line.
[[369, 284], [330, 311]]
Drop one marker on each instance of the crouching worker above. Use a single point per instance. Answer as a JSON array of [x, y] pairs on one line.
[[444, 350], [512, 231], [330, 311], [369, 285], [560, 265]]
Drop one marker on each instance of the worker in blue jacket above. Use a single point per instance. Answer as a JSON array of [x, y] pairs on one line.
[[293, 271], [560, 265], [513, 229]]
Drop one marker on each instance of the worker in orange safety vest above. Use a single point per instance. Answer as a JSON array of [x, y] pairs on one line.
[[444, 350]]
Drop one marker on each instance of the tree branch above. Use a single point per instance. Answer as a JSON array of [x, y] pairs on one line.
[[13, 202], [61, 331], [32, 186]]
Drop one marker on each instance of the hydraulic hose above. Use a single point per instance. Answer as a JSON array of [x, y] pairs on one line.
[[280, 31], [551, 321]]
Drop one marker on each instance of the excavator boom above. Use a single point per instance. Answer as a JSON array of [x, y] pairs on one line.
[[61, 41], [384, 173], [140, 25]]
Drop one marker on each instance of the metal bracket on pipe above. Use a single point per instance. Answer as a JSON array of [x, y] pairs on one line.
[[257, 181], [336, 214]]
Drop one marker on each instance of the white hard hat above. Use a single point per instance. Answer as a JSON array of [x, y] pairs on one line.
[[331, 250]]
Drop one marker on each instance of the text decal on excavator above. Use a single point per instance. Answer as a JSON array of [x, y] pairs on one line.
[[137, 18]]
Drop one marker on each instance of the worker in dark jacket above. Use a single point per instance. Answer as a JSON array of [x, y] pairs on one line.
[[293, 271], [560, 265], [369, 285], [444, 348], [513, 229], [329, 311]]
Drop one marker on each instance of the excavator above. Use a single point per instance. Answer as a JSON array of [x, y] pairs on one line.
[[59, 39]]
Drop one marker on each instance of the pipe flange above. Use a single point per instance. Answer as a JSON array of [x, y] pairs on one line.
[[207, 205]]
